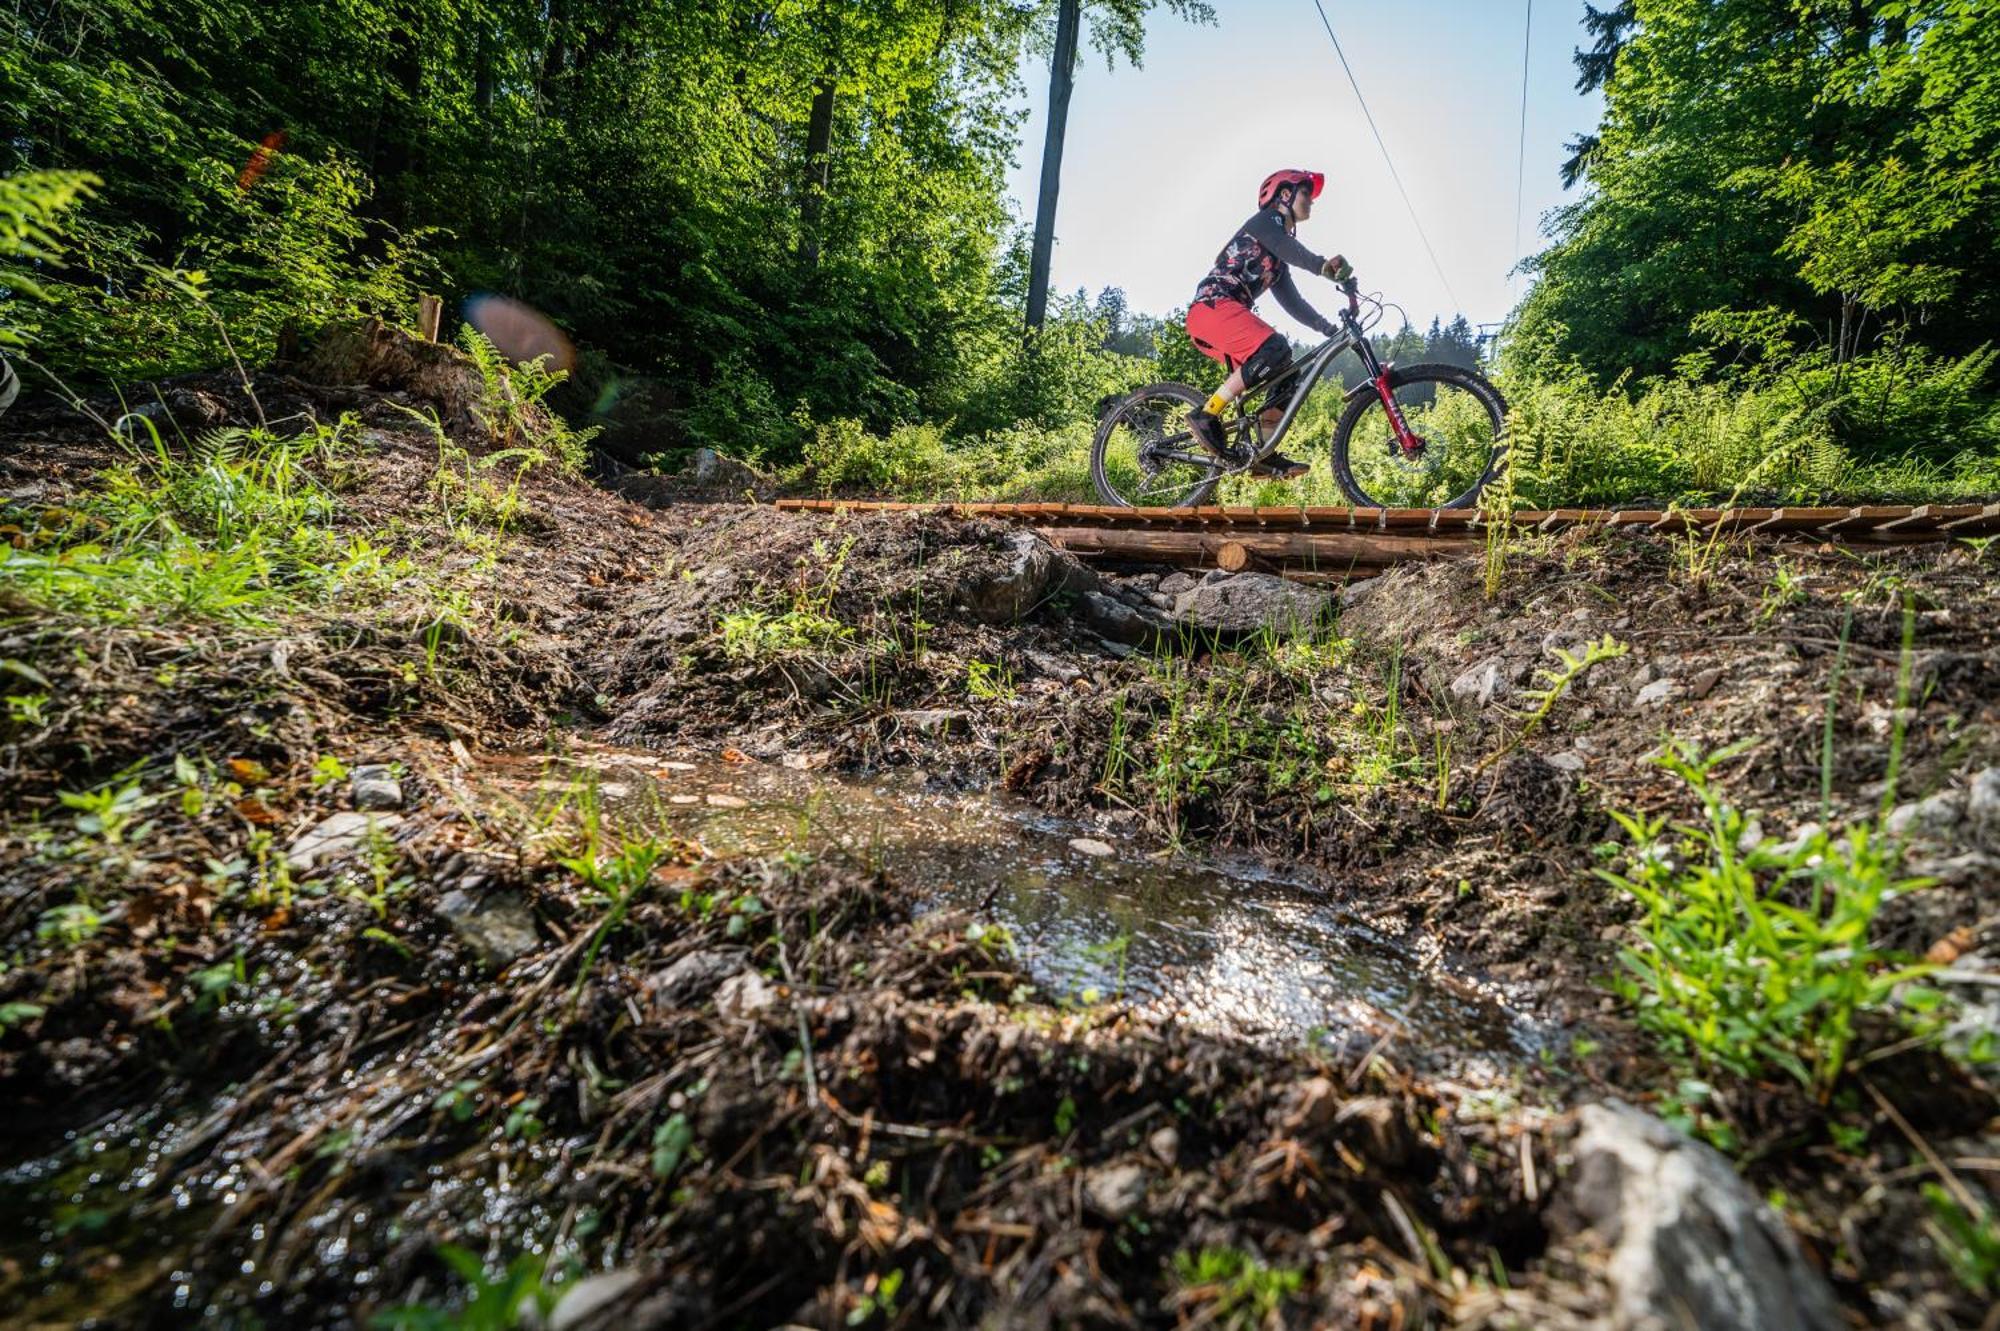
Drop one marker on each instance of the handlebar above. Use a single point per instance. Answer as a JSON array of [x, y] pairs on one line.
[[1352, 286]]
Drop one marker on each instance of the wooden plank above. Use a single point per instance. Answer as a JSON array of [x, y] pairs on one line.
[[1985, 517]]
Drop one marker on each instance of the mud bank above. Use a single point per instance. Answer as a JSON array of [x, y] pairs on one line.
[[323, 995]]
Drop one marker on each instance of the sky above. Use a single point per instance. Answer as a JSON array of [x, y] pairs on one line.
[[1162, 162]]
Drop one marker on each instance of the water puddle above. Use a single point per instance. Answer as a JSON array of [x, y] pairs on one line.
[[1221, 945]]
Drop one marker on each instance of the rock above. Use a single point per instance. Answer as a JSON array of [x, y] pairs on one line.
[[1027, 565], [1054, 666], [694, 977], [1482, 683], [335, 836], [1173, 584], [590, 1296], [1165, 1144], [1704, 683], [1801, 837], [1933, 816], [1310, 1104], [1690, 1244], [1115, 1191], [1566, 762], [1117, 621], [936, 721], [744, 995], [1248, 602], [1090, 846], [374, 787], [1656, 693], [1354, 593], [498, 928], [712, 471], [1982, 806]]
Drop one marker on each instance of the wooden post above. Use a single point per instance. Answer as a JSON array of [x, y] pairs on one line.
[[430, 312]]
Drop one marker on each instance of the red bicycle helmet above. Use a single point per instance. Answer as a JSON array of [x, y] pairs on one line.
[[1277, 180]]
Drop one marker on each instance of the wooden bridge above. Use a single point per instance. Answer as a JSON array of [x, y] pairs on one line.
[[1355, 542]]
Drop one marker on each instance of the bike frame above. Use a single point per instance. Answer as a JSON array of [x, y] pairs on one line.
[[1311, 369]]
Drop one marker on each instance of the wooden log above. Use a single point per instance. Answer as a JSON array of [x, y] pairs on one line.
[[1235, 557], [1324, 551], [430, 315]]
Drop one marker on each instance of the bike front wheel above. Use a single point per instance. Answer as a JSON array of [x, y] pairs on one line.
[[1144, 456], [1458, 421]]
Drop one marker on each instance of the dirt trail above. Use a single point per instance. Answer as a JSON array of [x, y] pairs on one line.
[[790, 1087]]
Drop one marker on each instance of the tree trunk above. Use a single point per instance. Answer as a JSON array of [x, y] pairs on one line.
[[1062, 76], [482, 79], [819, 161]]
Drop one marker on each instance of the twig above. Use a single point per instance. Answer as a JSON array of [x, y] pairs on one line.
[[805, 1034], [1951, 1180]]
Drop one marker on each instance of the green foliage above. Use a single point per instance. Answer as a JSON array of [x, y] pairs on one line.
[[512, 412], [1240, 1291], [1834, 160], [29, 206], [1550, 686], [1753, 956], [1792, 426], [233, 526], [1969, 1237], [515, 1297]]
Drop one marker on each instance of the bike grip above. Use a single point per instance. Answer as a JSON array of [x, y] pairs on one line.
[[1352, 286]]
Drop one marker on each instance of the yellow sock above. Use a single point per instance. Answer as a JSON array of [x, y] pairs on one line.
[[1216, 404]]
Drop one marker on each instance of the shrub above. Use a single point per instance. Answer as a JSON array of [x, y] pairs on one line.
[[1753, 956]]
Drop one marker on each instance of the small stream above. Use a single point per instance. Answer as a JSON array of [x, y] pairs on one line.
[[1225, 945]]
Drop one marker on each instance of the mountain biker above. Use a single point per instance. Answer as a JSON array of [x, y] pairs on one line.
[[1259, 258]]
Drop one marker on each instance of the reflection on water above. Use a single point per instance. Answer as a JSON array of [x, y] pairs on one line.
[[1225, 946]]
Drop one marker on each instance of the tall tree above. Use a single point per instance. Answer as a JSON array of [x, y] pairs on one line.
[[1118, 27], [1062, 78], [1831, 164]]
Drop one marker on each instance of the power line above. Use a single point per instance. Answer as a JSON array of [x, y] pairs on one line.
[[1521, 150], [1386, 159]]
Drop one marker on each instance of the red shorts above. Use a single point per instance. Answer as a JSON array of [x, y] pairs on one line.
[[1227, 331]]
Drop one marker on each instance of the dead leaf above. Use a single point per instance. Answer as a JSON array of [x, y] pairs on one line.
[[259, 813], [733, 754], [1951, 947], [249, 771]]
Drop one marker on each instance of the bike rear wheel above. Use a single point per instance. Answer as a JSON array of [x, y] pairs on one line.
[[1460, 421], [1143, 455]]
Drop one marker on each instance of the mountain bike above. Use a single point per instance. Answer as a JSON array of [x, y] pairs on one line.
[[1416, 436]]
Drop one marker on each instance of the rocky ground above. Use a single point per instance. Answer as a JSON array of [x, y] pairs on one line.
[[308, 1003]]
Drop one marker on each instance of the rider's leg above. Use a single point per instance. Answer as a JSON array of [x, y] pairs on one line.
[[1271, 359], [1225, 331]]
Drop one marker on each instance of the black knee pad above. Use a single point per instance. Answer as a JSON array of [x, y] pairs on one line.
[[1271, 359]]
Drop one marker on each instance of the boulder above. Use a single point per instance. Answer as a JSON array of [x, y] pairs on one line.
[[1119, 622], [1690, 1246], [710, 472], [1016, 584], [1249, 602]]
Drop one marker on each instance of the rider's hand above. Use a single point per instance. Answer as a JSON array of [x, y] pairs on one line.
[[1337, 268]]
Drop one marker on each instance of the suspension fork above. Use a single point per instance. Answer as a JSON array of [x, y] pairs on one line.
[[1378, 374]]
